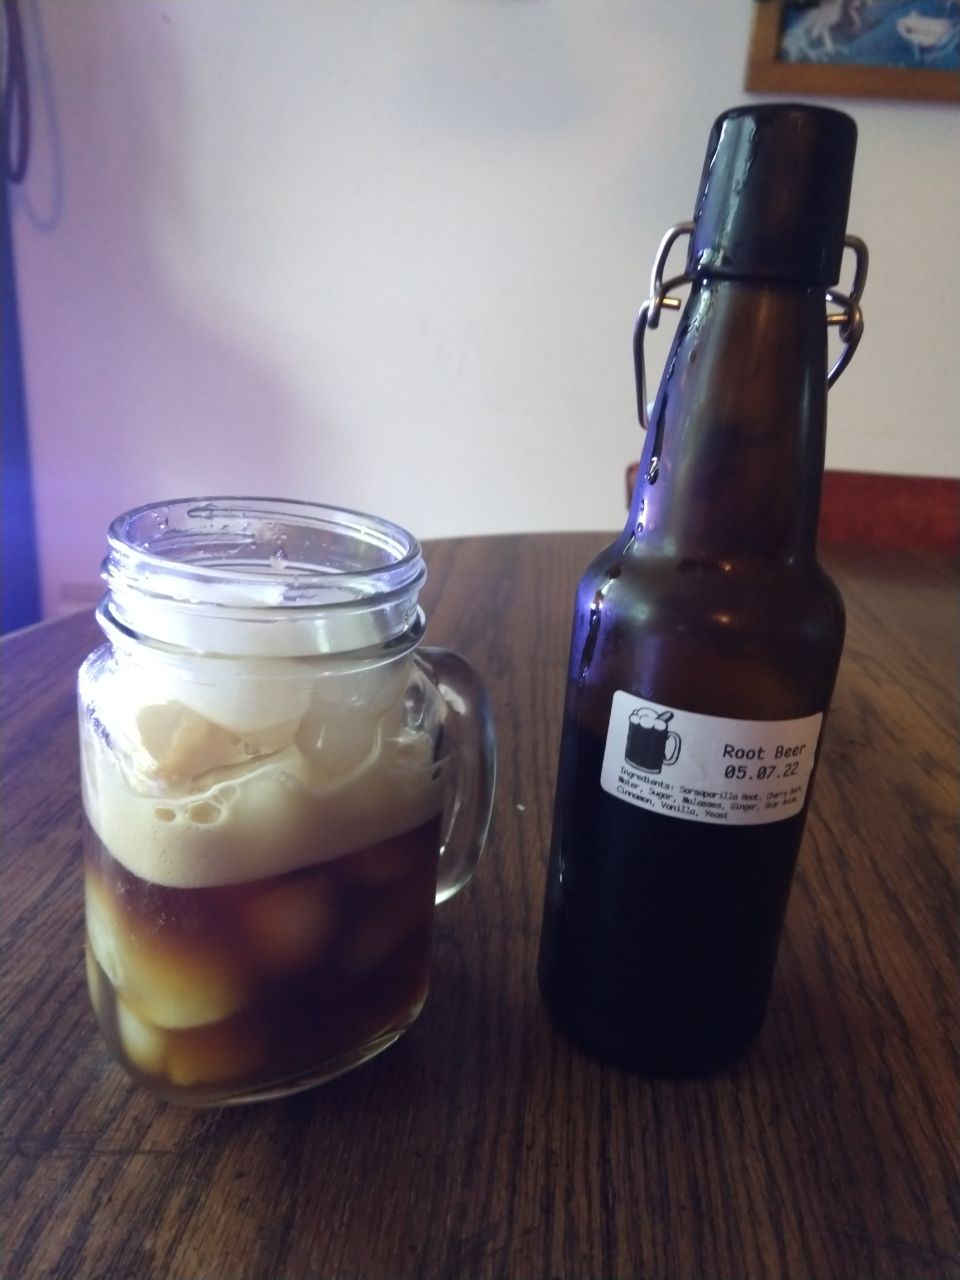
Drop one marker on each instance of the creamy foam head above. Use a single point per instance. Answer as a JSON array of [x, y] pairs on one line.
[[183, 801], [261, 819], [251, 716]]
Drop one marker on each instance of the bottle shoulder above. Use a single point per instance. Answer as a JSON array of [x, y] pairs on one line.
[[757, 642], [654, 581]]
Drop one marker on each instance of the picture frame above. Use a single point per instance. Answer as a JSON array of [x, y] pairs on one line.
[[826, 74]]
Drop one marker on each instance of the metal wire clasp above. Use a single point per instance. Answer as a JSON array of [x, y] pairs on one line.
[[849, 319], [649, 314]]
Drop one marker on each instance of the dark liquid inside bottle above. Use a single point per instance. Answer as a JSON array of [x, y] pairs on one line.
[[660, 932], [673, 923]]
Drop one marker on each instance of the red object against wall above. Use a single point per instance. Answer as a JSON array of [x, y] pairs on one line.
[[872, 510], [912, 512]]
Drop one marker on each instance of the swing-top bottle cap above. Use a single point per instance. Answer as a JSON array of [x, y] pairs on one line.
[[774, 195]]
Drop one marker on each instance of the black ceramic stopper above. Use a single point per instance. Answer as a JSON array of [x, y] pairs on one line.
[[774, 195]]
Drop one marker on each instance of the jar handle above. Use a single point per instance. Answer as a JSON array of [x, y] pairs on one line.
[[469, 737]]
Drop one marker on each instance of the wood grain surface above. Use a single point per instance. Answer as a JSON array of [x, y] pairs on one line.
[[481, 1145]]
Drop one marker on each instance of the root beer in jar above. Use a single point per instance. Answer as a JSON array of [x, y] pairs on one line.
[[276, 793], [706, 639]]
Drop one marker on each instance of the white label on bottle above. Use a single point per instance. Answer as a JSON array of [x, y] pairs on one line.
[[707, 768]]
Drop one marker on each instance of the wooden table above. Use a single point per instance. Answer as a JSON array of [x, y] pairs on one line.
[[481, 1145]]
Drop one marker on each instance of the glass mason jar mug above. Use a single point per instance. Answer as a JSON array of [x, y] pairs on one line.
[[278, 785]]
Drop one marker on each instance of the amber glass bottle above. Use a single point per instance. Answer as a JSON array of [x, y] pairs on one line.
[[706, 639]]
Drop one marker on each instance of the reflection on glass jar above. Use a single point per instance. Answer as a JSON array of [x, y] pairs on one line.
[[273, 782]]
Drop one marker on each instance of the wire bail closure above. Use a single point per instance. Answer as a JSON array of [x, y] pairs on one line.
[[849, 320]]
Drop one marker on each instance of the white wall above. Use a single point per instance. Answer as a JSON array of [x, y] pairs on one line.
[[390, 255]]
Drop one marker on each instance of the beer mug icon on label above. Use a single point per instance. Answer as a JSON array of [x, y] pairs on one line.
[[650, 744]]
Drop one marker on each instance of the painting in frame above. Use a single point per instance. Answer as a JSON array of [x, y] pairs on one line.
[[856, 48]]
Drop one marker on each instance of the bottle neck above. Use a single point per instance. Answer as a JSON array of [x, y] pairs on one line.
[[733, 460]]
